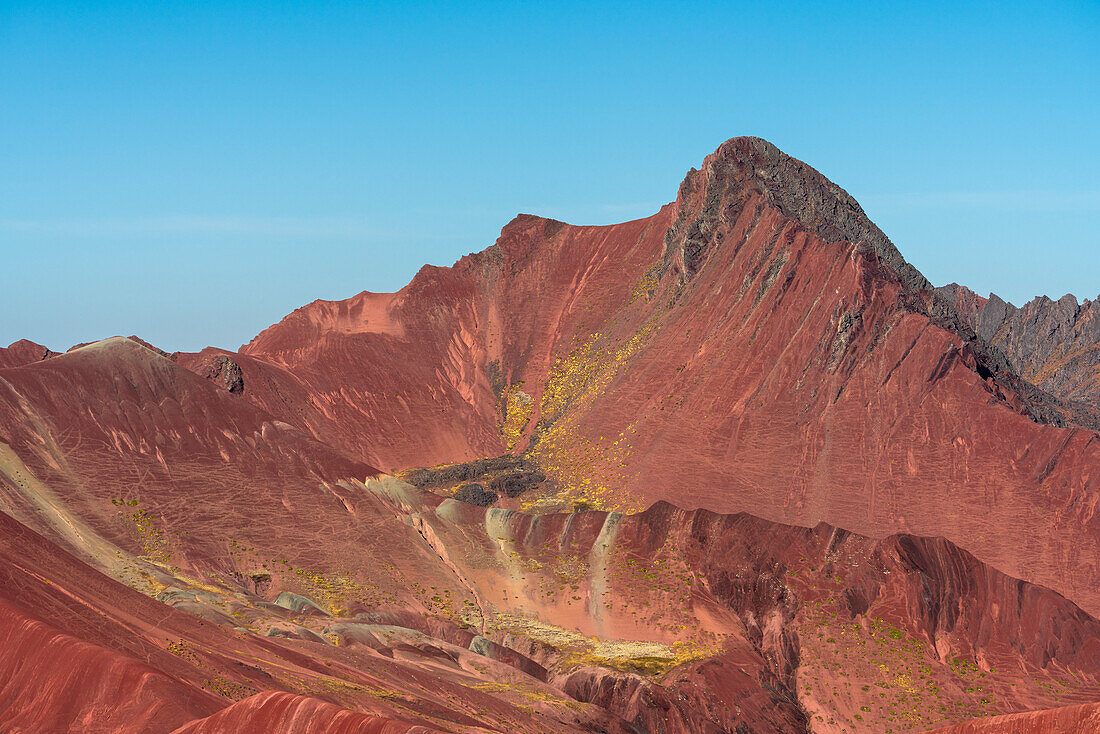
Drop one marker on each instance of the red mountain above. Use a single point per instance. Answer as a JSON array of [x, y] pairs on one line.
[[23, 352], [756, 347]]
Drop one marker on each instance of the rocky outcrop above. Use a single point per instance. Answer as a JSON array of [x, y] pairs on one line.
[[751, 169], [223, 371], [476, 494], [1055, 345]]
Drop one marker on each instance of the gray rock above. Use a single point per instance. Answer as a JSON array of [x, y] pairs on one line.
[[476, 494], [298, 604]]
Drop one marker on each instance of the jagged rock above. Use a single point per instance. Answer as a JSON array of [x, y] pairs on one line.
[[1055, 345], [744, 165], [226, 373]]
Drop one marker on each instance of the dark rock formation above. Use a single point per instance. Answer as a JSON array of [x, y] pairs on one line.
[[443, 476], [225, 372], [476, 494], [516, 483], [1055, 345]]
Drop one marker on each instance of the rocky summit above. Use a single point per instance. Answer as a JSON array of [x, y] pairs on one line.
[[733, 467]]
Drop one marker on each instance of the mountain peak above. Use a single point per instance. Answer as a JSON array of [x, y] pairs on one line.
[[743, 165], [22, 352]]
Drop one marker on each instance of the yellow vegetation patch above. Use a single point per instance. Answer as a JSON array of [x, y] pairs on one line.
[[587, 469], [630, 656], [337, 593], [518, 409], [527, 691], [645, 287], [154, 542]]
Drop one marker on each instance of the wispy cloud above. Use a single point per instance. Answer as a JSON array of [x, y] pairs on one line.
[[600, 212], [324, 227], [1031, 201]]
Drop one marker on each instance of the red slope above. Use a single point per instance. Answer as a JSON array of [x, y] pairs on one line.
[[147, 471], [765, 356], [56, 682], [289, 714], [772, 593], [1082, 718], [23, 352], [324, 528], [408, 379], [913, 629], [116, 421], [161, 478], [82, 652]]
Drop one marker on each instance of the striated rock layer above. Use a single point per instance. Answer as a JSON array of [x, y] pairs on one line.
[[290, 714]]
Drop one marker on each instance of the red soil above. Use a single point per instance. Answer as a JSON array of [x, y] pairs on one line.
[[1082, 718], [290, 714]]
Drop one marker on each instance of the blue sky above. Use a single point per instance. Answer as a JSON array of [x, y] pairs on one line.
[[191, 173]]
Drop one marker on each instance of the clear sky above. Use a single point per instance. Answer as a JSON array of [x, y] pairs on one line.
[[191, 173]]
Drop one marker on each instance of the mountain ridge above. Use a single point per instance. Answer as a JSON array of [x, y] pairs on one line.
[[1054, 344]]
